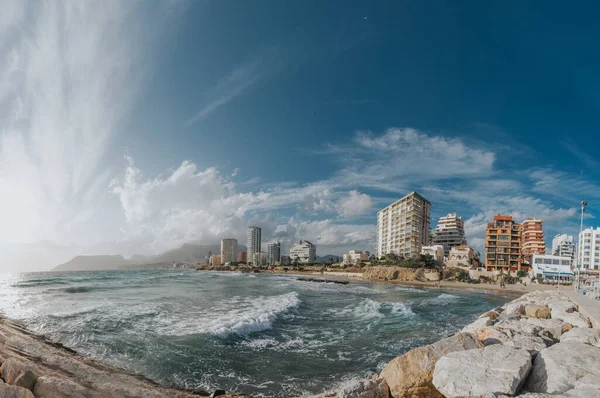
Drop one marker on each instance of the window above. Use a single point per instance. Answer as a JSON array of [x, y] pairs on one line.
[[556, 262], [538, 260]]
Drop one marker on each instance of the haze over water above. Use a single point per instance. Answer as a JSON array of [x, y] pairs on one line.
[[259, 334]]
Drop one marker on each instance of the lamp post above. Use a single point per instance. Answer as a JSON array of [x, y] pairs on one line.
[[580, 254]]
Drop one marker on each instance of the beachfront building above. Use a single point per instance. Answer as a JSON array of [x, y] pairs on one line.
[[503, 245], [436, 251], [304, 252], [229, 251], [253, 242], [259, 259], [588, 249], [532, 236], [242, 257], [552, 268], [460, 256], [563, 245], [214, 260], [450, 232], [355, 257], [403, 226], [273, 253]]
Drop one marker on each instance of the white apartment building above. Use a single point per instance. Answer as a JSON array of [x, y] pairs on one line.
[[436, 251], [273, 253], [259, 259], [450, 232], [552, 268], [229, 248], [588, 249], [305, 251], [563, 245], [253, 242], [355, 257], [403, 226], [460, 256]]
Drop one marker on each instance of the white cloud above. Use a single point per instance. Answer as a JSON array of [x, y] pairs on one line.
[[355, 204], [235, 172]]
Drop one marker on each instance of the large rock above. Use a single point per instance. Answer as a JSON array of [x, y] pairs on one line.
[[12, 368], [562, 306], [580, 335], [520, 327], [490, 335], [480, 323], [537, 311], [53, 387], [574, 318], [26, 380], [553, 326], [8, 391], [565, 366], [496, 369], [517, 308], [371, 388], [410, 375], [533, 344]]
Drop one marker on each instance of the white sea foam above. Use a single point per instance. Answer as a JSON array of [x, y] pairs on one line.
[[442, 299], [409, 289], [240, 316], [369, 310]]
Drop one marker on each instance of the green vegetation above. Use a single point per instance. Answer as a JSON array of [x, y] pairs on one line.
[[521, 273], [420, 261]]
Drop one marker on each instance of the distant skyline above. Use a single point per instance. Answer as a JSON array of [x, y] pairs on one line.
[[134, 127]]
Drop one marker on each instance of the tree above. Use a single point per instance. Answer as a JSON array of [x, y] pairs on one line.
[[391, 257]]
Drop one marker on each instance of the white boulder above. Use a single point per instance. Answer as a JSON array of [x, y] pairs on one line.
[[589, 336], [496, 369]]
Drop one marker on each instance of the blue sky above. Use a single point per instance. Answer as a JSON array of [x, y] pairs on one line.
[[134, 127]]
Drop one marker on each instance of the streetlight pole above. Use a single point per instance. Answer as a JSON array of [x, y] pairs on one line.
[[580, 254]]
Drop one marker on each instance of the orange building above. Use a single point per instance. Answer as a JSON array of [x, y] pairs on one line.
[[503, 245], [532, 238]]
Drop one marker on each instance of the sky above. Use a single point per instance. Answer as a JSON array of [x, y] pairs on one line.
[[134, 127]]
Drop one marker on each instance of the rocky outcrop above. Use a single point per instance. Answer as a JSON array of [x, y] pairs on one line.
[[565, 366], [411, 374], [370, 388], [491, 370], [389, 273], [579, 335], [53, 387], [8, 391]]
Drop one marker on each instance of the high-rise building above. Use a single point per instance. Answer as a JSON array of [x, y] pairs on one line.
[[253, 242], [532, 236], [588, 249], [563, 245], [303, 251], [229, 250], [503, 244], [215, 260], [403, 226], [450, 232], [259, 259], [242, 257], [273, 253]]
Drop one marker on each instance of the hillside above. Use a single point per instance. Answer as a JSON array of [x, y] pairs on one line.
[[94, 263]]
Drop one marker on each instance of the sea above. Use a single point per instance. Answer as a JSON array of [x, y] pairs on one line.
[[258, 334]]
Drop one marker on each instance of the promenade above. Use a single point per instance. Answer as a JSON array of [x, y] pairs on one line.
[[587, 305]]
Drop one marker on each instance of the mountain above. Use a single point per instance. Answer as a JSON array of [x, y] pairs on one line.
[[187, 253], [94, 263]]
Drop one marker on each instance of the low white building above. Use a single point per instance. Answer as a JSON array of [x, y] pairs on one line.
[[355, 257], [437, 251], [304, 251], [552, 268], [460, 256]]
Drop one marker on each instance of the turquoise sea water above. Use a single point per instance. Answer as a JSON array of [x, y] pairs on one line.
[[259, 334]]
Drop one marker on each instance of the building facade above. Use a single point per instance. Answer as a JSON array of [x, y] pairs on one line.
[[503, 245], [563, 245], [436, 251], [450, 232], [532, 235], [403, 226], [242, 257], [588, 249], [229, 249], [273, 253], [304, 251], [552, 268], [460, 256], [253, 243], [259, 259], [355, 257], [214, 260]]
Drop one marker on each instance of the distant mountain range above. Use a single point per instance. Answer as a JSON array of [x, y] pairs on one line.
[[187, 253]]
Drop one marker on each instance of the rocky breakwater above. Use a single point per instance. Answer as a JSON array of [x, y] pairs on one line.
[[536, 346], [32, 367]]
